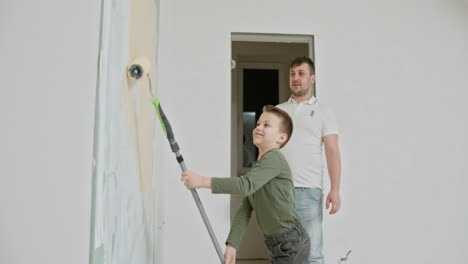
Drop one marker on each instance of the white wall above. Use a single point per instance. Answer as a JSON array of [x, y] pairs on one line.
[[48, 52], [394, 72], [399, 88]]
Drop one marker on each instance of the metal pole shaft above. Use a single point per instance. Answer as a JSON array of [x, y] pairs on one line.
[[175, 148], [203, 215]]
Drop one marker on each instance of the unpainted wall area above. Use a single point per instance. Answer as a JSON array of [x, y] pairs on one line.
[[48, 71], [394, 73]]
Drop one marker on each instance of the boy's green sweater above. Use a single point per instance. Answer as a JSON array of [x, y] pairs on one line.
[[268, 190]]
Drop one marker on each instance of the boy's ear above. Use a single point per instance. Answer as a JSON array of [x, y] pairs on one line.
[[282, 138]]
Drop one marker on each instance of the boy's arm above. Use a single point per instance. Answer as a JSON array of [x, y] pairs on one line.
[[263, 171], [239, 223]]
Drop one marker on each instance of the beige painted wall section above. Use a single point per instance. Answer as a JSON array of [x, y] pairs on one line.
[[140, 110]]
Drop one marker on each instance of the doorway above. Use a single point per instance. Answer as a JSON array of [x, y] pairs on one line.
[[259, 76]]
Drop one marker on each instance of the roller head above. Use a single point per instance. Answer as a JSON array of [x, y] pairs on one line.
[[138, 68], [135, 71]]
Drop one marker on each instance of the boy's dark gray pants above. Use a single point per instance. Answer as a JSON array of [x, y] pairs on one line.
[[291, 247]]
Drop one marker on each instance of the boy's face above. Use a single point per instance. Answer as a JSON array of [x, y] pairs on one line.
[[267, 132]]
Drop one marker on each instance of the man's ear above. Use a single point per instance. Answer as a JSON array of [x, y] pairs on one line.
[[312, 78]]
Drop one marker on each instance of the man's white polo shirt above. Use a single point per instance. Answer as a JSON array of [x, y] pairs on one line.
[[303, 152]]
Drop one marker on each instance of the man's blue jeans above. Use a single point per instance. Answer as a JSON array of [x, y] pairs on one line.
[[309, 205]]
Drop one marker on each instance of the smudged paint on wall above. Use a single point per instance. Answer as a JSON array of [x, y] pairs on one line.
[[123, 210]]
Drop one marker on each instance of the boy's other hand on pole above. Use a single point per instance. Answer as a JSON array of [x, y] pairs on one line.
[[230, 255]]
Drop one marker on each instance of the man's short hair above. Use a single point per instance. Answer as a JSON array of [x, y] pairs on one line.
[[286, 124], [300, 60]]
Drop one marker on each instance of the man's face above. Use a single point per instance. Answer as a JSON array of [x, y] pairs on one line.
[[300, 80]]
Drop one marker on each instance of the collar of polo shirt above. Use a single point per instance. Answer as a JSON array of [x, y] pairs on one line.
[[312, 100]]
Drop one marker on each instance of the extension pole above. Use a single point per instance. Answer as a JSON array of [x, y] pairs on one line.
[[175, 148], [135, 70]]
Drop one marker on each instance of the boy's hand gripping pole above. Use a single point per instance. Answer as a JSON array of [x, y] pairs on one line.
[[175, 148]]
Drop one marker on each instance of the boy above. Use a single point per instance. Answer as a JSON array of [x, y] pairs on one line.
[[268, 190]]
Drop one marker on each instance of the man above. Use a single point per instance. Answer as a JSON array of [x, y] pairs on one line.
[[314, 125]]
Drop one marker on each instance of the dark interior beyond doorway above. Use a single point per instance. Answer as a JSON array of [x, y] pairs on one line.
[[260, 88]]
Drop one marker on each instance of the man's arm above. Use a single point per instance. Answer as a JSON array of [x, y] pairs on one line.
[[332, 153]]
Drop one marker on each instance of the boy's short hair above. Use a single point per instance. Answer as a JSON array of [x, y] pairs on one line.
[[286, 124], [300, 60]]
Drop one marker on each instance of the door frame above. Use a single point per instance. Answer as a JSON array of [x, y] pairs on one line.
[[255, 248]]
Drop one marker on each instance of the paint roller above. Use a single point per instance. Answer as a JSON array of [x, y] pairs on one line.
[[138, 68]]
